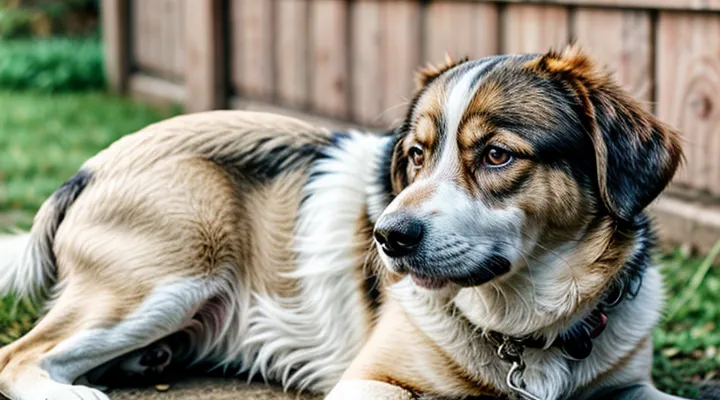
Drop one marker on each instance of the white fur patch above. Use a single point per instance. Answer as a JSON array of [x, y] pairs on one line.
[[25, 267], [456, 103], [368, 390], [308, 341]]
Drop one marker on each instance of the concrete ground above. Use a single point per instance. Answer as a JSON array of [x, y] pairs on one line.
[[210, 389]]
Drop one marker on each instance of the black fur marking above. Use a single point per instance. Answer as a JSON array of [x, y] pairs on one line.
[[61, 201], [266, 165], [492, 63], [384, 170], [629, 280], [68, 192]]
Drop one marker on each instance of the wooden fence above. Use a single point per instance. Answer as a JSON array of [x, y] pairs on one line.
[[353, 61]]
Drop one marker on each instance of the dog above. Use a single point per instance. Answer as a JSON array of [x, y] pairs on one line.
[[494, 244]]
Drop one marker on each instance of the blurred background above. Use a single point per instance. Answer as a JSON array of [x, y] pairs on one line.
[[75, 75]]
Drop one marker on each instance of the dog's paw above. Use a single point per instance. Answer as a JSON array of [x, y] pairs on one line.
[[45, 389], [86, 393], [151, 360], [367, 390], [141, 367]]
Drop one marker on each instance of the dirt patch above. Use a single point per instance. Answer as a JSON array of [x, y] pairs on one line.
[[211, 389]]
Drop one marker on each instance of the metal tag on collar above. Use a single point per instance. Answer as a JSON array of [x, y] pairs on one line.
[[511, 351]]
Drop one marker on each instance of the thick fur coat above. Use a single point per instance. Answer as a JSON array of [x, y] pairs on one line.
[[506, 210]]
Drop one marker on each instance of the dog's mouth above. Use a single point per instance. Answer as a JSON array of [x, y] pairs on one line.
[[439, 277], [430, 283]]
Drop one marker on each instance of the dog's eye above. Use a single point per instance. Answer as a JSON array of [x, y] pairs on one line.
[[496, 157], [417, 155]]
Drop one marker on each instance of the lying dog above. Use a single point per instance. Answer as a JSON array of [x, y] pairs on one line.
[[494, 245]]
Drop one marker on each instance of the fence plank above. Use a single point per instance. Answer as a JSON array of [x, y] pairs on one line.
[[156, 90], [330, 80], [622, 40], [530, 28], [291, 52], [204, 81], [152, 28], [707, 5], [115, 22], [170, 39], [367, 77], [400, 54], [138, 25], [688, 66], [251, 48], [179, 33], [460, 29]]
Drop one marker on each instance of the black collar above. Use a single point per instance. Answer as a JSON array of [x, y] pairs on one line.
[[576, 342]]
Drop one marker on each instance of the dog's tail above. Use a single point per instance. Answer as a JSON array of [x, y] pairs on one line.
[[27, 260]]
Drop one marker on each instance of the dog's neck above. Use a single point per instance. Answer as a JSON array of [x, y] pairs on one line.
[[576, 341], [467, 340], [568, 294]]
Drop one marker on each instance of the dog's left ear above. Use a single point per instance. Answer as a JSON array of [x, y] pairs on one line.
[[430, 72], [635, 154]]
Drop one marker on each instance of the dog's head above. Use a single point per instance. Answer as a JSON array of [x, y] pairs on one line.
[[505, 159]]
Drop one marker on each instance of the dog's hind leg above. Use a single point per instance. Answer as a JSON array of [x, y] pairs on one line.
[[86, 328]]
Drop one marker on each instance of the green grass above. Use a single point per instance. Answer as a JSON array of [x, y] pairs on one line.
[[45, 138], [52, 65], [687, 344]]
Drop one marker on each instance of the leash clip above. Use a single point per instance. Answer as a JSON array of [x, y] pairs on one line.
[[511, 351]]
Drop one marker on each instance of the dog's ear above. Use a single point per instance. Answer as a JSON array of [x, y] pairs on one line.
[[430, 72], [635, 154]]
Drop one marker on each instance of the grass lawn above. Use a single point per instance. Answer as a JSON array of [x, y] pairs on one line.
[[45, 138]]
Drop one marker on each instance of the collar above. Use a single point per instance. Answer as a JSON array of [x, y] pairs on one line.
[[576, 342]]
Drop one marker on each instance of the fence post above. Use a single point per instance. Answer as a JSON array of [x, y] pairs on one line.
[[115, 38], [205, 66]]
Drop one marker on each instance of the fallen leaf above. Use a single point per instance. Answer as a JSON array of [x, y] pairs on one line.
[[162, 388]]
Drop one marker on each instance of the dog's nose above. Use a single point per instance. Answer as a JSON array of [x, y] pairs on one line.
[[398, 234]]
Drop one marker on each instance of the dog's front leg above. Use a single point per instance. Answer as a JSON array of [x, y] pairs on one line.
[[400, 362], [356, 389]]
